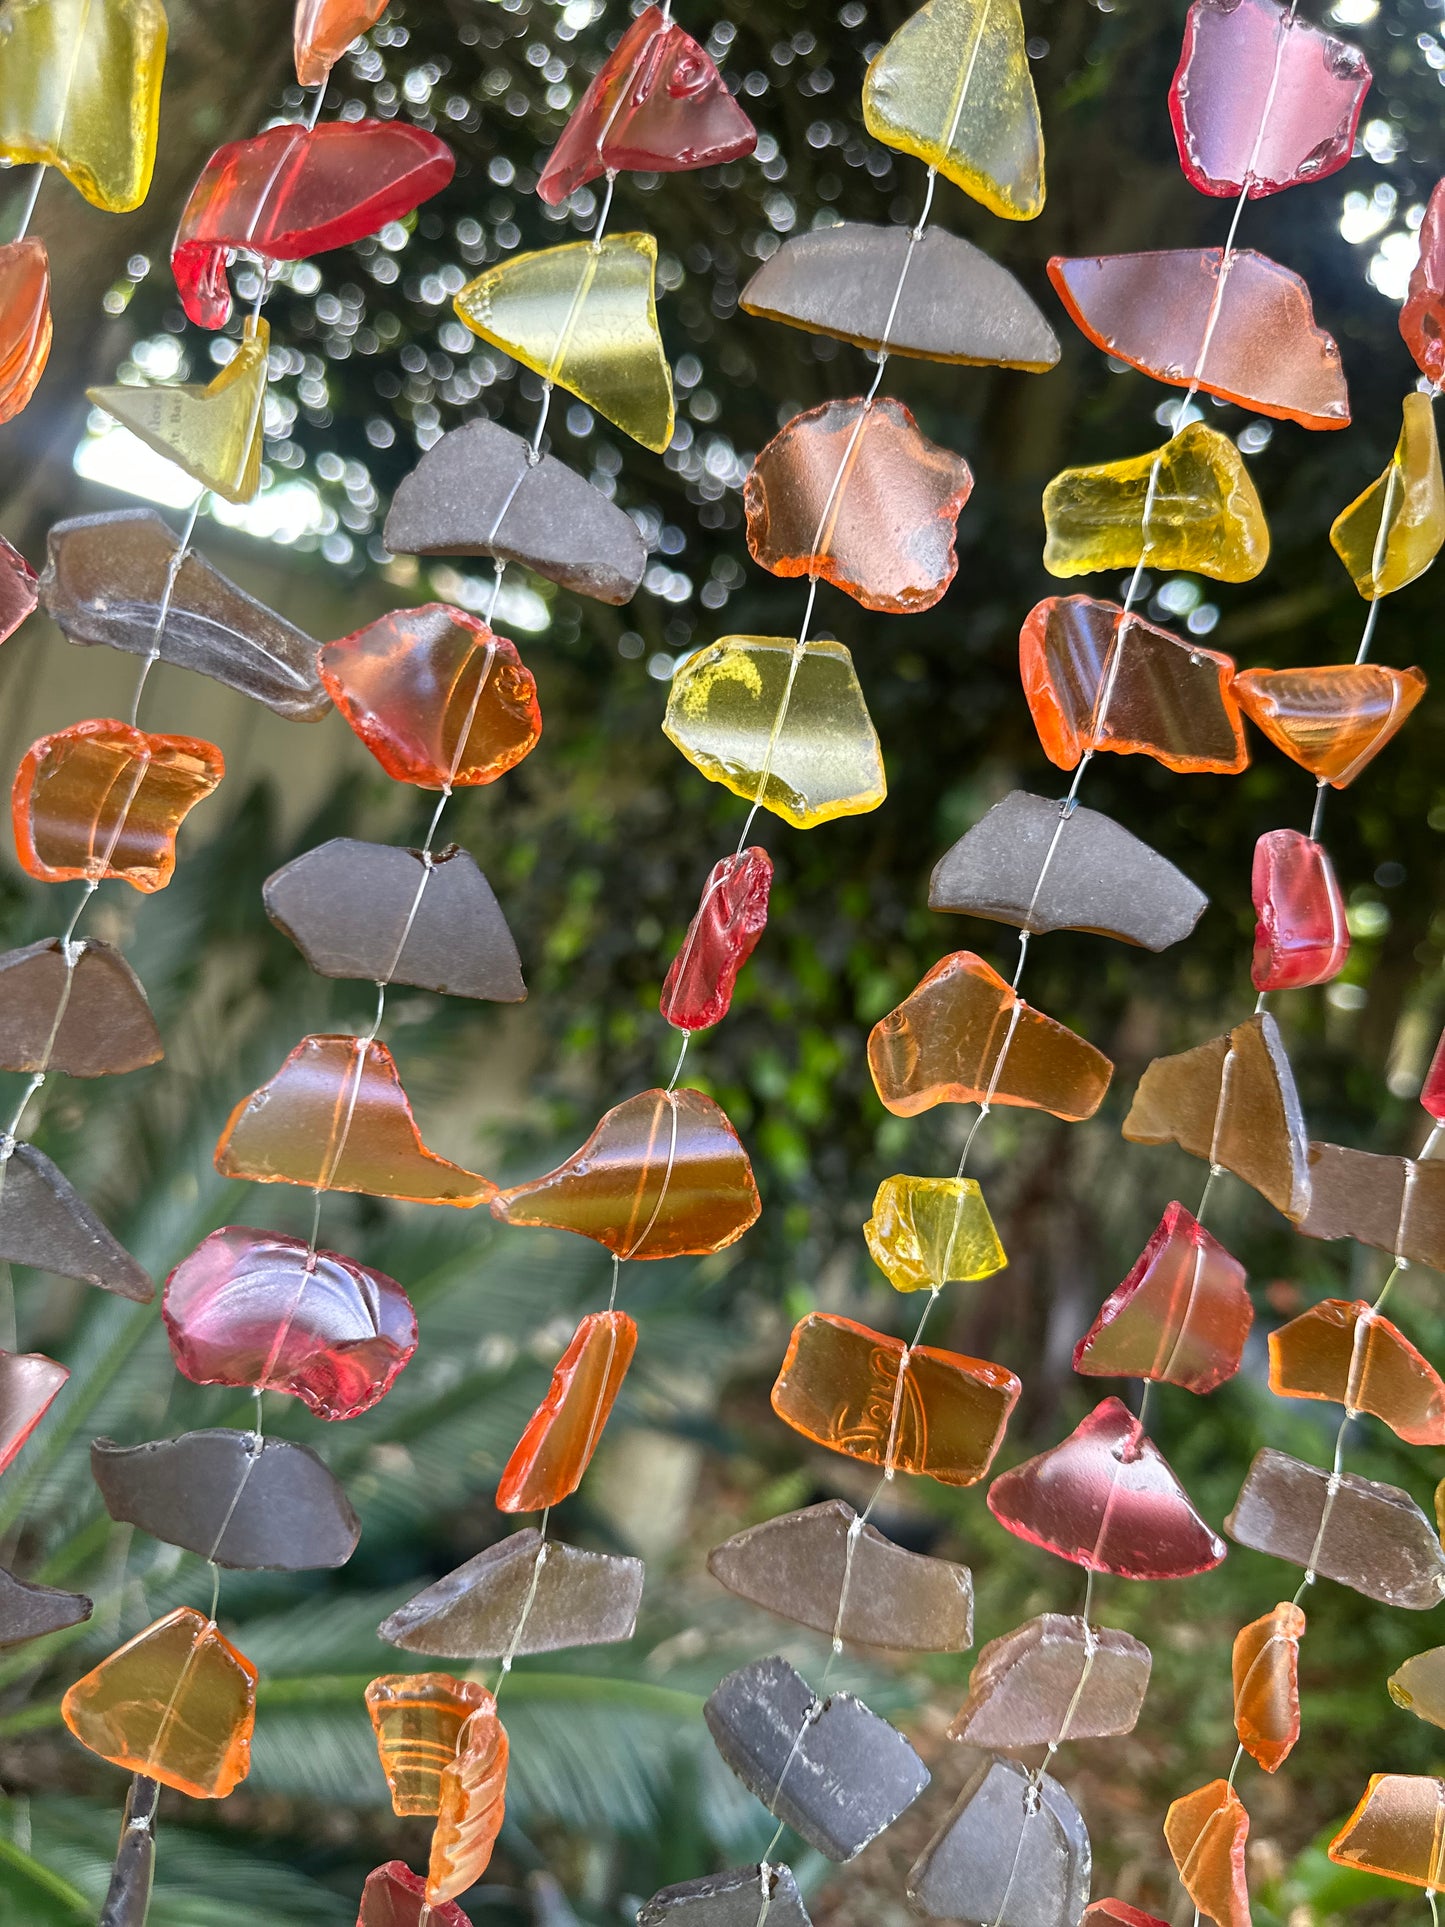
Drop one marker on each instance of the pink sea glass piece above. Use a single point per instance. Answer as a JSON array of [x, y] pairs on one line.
[[1180, 1317], [1301, 937], [1422, 319], [18, 589], [28, 1383], [394, 1896], [1432, 1091], [720, 939]]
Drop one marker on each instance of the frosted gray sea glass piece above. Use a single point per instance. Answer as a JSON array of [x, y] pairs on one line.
[[1395, 1204], [105, 582], [1050, 1680], [832, 1769], [475, 492], [1030, 864], [956, 303], [580, 1599], [1003, 1859], [46, 1223], [795, 1566], [352, 910], [105, 1024], [128, 1898], [28, 1611], [276, 1510], [1370, 1537], [736, 1898]]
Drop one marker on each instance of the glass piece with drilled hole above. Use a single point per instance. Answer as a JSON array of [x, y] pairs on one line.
[[1180, 1317], [1266, 1685], [1395, 1204], [929, 1232], [471, 1805], [566, 1428], [417, 1718], [394, 1896], [724, 932], [212, 430], [1332, 720], [45, 1223], [1053, 1679], [29, 1611], [1419, 1685], [1398, 1830], [128, 1896], [29, 1383], [86, 1016], [1422, 319], [1345, 1351], [1302, 936], [731, 1899], [321, 33], [1206, 1832], [1392, 533], [25, 326], [1014, 1852]]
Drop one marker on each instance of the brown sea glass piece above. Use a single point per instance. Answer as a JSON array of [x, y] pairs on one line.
[[871, 1397], [29, 1612], [336, 1118], [1419, 1685], [471, 1805], [1395, 1204], [1180, 1317], [1206, 1831], [1053, 1679], [84, 1014], [417, 1718], [29, 1381], [24, 322], [394, 1896], [963, 1036], [855, 493], [1397, 1830], [563, 1432], [1332, 720], [663, 1176], [1266, 1685], [45, 1222], [1346, 1351]]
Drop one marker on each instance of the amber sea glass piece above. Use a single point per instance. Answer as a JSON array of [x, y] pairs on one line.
[[1334, 719], [1422, 319], [526, 1594], [176, 1703], [416, 1718], [211, 430], [45, 1222], [929, 1232], [1395, 1204], [18, 589], [1302, 936], [1180, 1317], [698, 989], [1266, 1685], [84, 1014], [25, 326], [1206, 1831], [29, 1381], [1014, 1852], [29, 1611], [1419, 1685], [324, 29], [1053, 1679], [1392, 533], [1398, 1830], [394, 1896], [1346, 1351], [471, 1805], [566, 1428]]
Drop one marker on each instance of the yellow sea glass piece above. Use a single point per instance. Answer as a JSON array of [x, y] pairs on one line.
[[1397, 1830], [1419, 1685], [930, 1232], [80, 90], [584, 316], [211, 430], [786, 727], [1393, 532], [1203, 514], [953, 88]]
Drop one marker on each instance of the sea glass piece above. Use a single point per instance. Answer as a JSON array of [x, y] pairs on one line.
[[88, 1020], [25, 326], [1422, 319], [211, 430], [394, 1896], [108, 578], [478, 492], [1302, 936], [292, 192], [1233, 1101], [724, 932], [45, 1222], [29, 1612], [1118, 1913], [335, 1118], [583, 315], [834, 1771], [1055, 1678], [526, 1594], [1419, 1685], [929, 1232], [564, 1431], [915, 1409], [1395, 1204], [256, 1506], [1255, 343], [662, 1176], [29, 1382], [1042, 865], [127, 1898], [1096, 678], [471, 1807], [825, 1569], [963, 1036], [255, 1308], [80, 90], [855, 493], [656, 104], [1206, 1831], [1010, 1854], [1344, 1350], [321, 33], [104, 799], [1180, 1317], [1369, 1536], [1188, 505], [954, 304], [1266, 1685], [1263, 99], [176, 1703], [731, 1899], [1334, 719], [1107, 1499], [1398, 1830], [1392, 533], [784, 727], [417, 1718], [18, 589], [1432, 1091]]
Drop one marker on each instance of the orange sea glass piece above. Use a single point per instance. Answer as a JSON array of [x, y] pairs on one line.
[[1206, 1832], [1266, 1685], [562, 1434], [914, 1409], [324, 29], [176, 1703], [1332, 720], [1398, 1830], [964, 1036], [335, 1117], [24, 322], [417, 1718], [472, 1806], [103, 799], [1345, 1351]]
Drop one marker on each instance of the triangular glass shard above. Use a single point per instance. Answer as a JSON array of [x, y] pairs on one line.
[[909, 1409], [1332, 720], [128, 1897], [929, 1232], [176, 1703], [824, 1569], [698, 989], [657, 105], [88, 1020], [1180, 1317], [1365, 1535], [294, 191], [417, 1719], [1256, 343], [371, 910], [255, 1506], [29, 1612], [664, 1175], [321, 33], [1266, 1685], [854, 492], [834, 1771], [394, 1896], [29, 1382], [18, 589], [1234, 1102], [1302, 936], [952, 87], [1398, 1830], [1345, 1351], [566, 1428], [335, 1118], [731, 1899], [1395, 1204], [25, 326], [1422, 319], [1042, 865], [471, 1806], [1012, 1853], [1206, 1831], [1392, 533], [44, 1222], [80, 90], [1053, 1679], [963, 1037], [1419, 1685], [786, 728], [584, 316], [956, 304], [1107, 1499], [213, 431]]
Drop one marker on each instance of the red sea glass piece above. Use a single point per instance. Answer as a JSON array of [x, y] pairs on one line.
[[295, 191], [1118, 1913], [324, 29], [721, 937], [1422, 319], [28, 1383], [1106, 1499], [19, 589], [1301, 937], [394, 1896], [24, 322], [1180, 1317], [1432, 1091], [562, 1434], [658, 104]]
